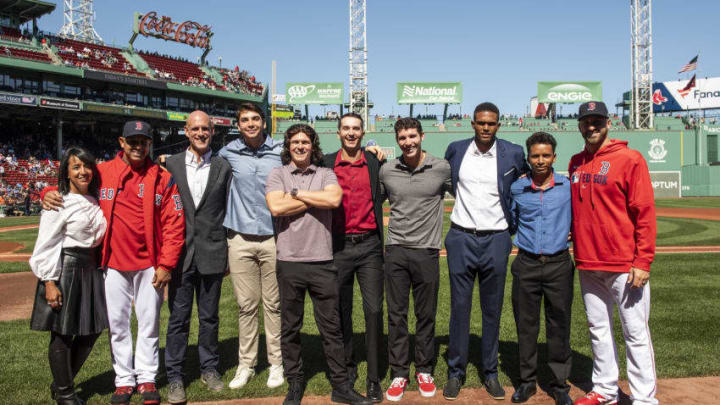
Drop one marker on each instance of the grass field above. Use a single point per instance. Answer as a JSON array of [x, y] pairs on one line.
[[685, 290], [689, 202], [682, 320]]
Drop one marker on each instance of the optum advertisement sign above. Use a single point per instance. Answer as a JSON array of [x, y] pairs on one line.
[[569, 92], [314, 93], [429, 93]]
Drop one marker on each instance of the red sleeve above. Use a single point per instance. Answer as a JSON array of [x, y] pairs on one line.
[[172, 223], [641, 204], [46, 189]]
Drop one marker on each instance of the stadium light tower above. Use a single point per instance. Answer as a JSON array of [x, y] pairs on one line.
[[79, 16], [641, 105], [358, 59]]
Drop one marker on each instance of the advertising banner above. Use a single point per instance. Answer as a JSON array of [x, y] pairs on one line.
[[665, 184], [673, 96], [59, 104], [177, 116], [569, 92], [124, 79], [429, 93], [314, 93], [18, 99], [221, 121]]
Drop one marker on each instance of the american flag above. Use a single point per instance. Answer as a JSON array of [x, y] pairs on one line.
[[685, 90], [690, 66]]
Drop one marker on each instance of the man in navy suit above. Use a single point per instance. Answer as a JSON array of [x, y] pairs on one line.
[[478, 243]]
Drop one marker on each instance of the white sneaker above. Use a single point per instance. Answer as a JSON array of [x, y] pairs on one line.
[[242, 376], [276, 378]]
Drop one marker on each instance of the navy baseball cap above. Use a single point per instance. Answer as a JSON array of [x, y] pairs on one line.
[[592, 108], [132, 128]]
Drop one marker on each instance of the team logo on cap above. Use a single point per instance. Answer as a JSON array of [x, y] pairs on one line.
[[138, 126], [591, 106]]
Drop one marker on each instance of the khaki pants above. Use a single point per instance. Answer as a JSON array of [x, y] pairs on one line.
[[252, 271]]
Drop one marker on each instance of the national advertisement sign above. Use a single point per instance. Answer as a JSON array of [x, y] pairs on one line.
[[569, 92], [314, 93], [18, 99], [669, 96], [429, 93]]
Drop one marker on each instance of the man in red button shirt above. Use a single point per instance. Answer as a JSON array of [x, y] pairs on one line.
[[146, 232], [357, 244]]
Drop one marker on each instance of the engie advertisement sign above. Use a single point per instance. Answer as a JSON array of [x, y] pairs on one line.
[[429, 93], [314, 93], [675, 96], [569, 92]]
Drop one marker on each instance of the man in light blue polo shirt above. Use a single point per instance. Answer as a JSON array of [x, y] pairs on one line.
[[251, 246], [543, 268]]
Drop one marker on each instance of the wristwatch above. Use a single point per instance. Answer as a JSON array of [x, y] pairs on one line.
[[293, 193]]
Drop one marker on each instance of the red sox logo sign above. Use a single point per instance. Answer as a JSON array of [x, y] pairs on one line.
[[658, 98]]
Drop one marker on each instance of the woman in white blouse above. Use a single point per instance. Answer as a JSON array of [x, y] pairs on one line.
[[70, 296]]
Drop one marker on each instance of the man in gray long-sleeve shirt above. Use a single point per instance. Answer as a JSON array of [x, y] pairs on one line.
[[415, 185]]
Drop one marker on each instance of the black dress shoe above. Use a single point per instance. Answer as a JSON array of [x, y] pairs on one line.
[[493, 387], [345, 394], [523, 393], [452, 388], [296, 390], [562, 398], [374, 392]]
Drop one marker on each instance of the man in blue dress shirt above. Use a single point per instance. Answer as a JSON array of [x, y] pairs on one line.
[[251, 245], [543, 268]]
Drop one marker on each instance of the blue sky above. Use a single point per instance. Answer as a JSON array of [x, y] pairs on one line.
[[498, 50]]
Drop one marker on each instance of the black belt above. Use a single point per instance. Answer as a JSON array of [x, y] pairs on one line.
[[359, 237], [475, 232], [543, 257]]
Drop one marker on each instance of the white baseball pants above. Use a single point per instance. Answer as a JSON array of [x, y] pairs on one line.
[[121, 289], [601, 291]]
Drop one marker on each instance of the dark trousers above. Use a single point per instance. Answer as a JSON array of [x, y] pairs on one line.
[[67, 354], [419, 270], [365, 260], [534, 278], [319, 279], [207, 287], [486, 257]]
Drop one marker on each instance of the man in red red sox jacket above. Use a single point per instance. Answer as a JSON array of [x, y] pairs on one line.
[[146, 232], [614, 244]]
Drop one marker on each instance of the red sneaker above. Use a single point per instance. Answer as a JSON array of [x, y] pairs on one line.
[[426, 384], [122, 395], [396, 390], [593, 398], [149, 393]]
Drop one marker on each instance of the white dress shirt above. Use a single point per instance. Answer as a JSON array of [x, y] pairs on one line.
[[477, 200], [79, 223], [197, 174]]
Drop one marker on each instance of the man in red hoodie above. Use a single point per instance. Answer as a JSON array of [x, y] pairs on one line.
[[146, 232], [614, 242]]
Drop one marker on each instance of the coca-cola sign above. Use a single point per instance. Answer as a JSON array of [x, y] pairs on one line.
[[188, 32]]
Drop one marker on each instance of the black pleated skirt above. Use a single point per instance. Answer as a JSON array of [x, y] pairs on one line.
[[82, 285]]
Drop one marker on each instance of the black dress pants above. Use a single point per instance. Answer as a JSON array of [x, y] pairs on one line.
[[207, 288], [319, 279], [550, 278], [419, 270], [364, 260]]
